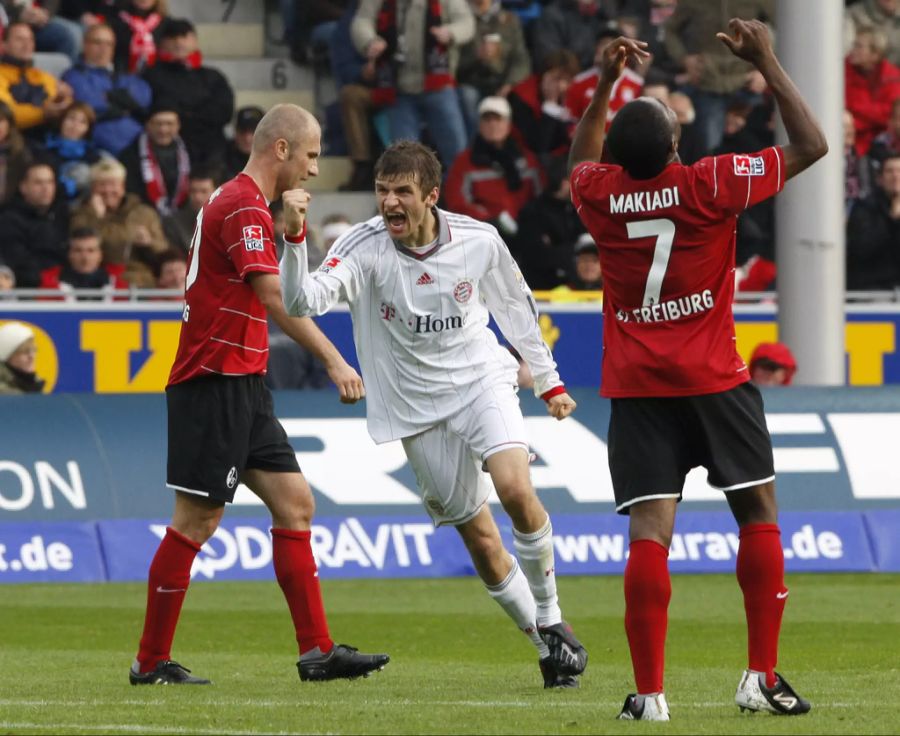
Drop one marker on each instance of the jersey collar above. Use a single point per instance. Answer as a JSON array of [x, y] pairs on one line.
[[444, 237]]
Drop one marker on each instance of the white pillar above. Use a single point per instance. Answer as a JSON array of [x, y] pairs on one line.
[[810, 237]]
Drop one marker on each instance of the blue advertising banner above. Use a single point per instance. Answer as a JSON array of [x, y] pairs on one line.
[[87, 457], [884, 531], [50, 552], [129, 348], [409, 546]]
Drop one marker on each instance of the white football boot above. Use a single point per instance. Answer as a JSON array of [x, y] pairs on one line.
[[753, 695], [645, 708]]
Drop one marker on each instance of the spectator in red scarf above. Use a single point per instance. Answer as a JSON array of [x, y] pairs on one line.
[[199, 94], [137, 27], [158, 162], [772, 364], [872, 84]]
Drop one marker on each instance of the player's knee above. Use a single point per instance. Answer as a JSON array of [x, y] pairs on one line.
[[485, 548], [295, 510]]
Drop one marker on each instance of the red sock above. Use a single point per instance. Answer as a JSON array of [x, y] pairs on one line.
[[760, 573], [167, 583], [647, 593], [295, 569]]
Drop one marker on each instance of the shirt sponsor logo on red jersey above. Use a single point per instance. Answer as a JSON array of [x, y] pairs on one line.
[[670, 309], [253, 237], [329, 265], [749, 166]]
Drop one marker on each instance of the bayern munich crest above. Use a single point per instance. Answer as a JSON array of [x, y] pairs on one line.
[[463, 291]]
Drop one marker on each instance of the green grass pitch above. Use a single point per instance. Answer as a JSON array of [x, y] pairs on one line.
[[458, 665]]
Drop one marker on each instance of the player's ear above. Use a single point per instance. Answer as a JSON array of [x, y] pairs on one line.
[[432, 198], [282, 150]]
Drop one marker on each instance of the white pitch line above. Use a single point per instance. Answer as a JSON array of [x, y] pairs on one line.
[[568, 704], [134, 728]]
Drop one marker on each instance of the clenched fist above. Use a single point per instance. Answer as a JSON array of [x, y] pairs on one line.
[[296, 203]]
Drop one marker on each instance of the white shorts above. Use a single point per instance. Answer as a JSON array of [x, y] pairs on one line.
[[448, 458]]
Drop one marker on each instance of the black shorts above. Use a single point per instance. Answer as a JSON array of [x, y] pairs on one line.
[[654, 442], [220, 426]]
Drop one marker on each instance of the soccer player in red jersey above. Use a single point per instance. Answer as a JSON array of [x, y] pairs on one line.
[[222, 428], [680, 392]]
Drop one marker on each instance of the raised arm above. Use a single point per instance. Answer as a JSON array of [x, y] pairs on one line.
[[750, 40], [304, 332], [587, 144]]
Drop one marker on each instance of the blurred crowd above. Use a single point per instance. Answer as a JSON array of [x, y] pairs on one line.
[[106, 160], [497, 87]]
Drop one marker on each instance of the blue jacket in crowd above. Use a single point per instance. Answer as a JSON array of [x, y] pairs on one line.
[[120, 101]]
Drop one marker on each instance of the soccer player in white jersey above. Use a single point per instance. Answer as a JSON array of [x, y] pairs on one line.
[[421, 283]]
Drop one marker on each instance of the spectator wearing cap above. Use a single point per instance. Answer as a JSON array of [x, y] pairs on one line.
[[772, 364], [493, 178], [586, 274], [549, 227], [200, 94], [119, 99], [492, 62], [18, 351], [158, 162], [35, 96], [238, 151], [84, 269], [179, 226], [34, 226]]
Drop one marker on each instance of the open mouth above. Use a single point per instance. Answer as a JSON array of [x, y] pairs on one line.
[[396, 222]]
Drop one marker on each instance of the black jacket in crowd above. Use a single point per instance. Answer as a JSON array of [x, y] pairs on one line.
[[32, 240], [204, 101], [873, 244]]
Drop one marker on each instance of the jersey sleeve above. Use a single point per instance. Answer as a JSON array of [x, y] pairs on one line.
[[512, 305], [339, 278], [248, 239], [741, 180]]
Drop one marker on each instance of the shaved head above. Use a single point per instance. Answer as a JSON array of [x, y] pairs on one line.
[[642, 137], [288, 122]]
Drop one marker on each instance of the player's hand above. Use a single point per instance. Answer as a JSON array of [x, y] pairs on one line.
[[296, 203], [560, 406], [619, 53], [750, 40], [348, 382]]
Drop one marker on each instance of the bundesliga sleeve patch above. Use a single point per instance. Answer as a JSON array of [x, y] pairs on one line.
[[253, 237], [749, 166], [330, 264]]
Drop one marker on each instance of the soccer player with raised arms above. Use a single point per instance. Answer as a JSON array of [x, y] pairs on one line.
[[222, 428], [680, 393], [421, 283]]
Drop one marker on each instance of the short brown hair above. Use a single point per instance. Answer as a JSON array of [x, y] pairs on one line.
[[88, 113], [403, 158]]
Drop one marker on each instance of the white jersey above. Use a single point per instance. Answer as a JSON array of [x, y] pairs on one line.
[[420, 320]]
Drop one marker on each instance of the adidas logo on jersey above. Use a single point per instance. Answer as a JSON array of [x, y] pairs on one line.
[[424, 280]]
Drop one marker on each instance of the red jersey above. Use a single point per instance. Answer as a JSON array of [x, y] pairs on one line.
[[667, 253], [224, 327], [627, 87]]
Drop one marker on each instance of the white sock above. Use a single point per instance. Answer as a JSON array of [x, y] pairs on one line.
[[535, 552], [514, 597]]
